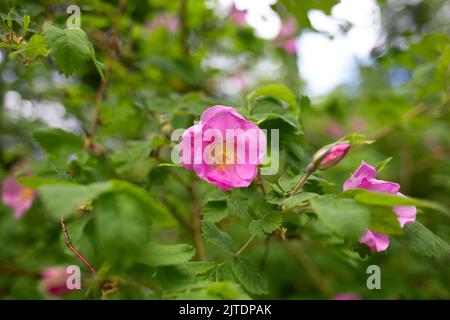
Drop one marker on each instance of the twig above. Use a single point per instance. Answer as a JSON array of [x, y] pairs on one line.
[[19, 272], [183, 16], [111, 56], [260, 182], [196, 224], [72, 248]]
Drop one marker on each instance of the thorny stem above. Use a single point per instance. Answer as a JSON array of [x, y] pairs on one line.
[[72, 248]]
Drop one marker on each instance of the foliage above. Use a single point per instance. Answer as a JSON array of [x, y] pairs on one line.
[[120, 87]]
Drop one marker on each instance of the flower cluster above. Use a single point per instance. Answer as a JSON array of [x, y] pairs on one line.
[[364, 178]]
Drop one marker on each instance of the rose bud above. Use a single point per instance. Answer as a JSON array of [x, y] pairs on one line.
[[329, 156]]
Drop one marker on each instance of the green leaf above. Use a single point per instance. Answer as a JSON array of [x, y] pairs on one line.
[[382, 199], [133, 151], [265, 225], [214, 211], [165, 255], [238, 203], [265, 109], [98, 65], [36, 47], [58, 143], [298, 200], [356, 139], [157, 212], [122, 228], [69, 47], [64, 198], [248, 276], [380, 166], [384, 220], [421, 240], [200, 267], [278, 92], [218, 238], [346, 217], [25, 23], [175, 278]]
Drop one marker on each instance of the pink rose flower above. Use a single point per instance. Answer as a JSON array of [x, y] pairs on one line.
[[224, 149], [54, 280], [334, 155], [346, 296], [16, 196], [364, 178]]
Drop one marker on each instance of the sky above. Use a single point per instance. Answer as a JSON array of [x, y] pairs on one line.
[[329, 58]]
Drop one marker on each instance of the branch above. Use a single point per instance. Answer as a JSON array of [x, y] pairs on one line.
[[111, 56], [260, 182], [196, 224], [183, 16], [72, 248]]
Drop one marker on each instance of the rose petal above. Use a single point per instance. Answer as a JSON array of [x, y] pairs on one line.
[[375, 241]]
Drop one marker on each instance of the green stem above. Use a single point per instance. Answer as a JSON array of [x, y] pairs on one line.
[[245, 246], [302, 182]]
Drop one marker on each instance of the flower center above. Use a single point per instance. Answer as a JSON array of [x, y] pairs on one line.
[[223, 156], [27, 194]]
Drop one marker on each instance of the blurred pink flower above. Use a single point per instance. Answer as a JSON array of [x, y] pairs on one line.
[[346, 296], [224, 149], [334, 155], [54, 280], [163, 20], [364, 178], [16, 196], [238, 16], [334, 129], [287, 36]]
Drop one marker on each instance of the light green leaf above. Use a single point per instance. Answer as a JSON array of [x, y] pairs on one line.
[[384, 220], [36, 47], [382, 199], [297, 200], [164, 255], [346, 217], [69, 47], [380, 166], [64, 198]]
